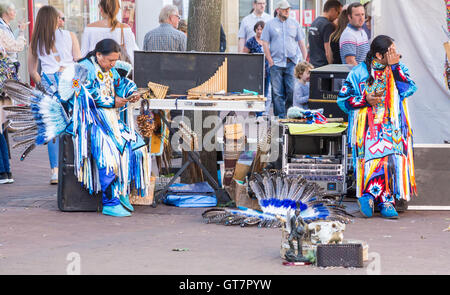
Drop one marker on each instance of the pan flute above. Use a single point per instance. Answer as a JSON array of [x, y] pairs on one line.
[[158, 90], [217, 83]]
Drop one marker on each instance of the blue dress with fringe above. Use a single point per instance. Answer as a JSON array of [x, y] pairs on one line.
[[109, 156]]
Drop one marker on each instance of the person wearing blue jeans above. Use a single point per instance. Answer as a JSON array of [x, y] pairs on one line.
[[282, 79], [59, 50], [5, 169], [284, 46]]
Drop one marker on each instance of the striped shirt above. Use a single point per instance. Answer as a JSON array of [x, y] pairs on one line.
[[165, 38], [354, 42]]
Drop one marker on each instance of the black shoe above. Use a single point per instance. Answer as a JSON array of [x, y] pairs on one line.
[[4, 178]]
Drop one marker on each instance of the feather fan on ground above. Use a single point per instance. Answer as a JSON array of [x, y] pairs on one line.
[[279, 195]]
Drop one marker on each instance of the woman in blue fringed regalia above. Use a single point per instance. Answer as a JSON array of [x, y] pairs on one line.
[[374, 95], [109, 156]]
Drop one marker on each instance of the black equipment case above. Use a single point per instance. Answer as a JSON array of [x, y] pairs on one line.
[[72, 196], [325, 84]]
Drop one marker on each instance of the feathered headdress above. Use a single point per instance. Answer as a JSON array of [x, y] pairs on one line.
[[71, 80], [279, 195], [123, 68], [37, 118]]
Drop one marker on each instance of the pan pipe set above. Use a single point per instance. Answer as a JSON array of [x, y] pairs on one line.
[[158, 90], [217, 83], [189, 137]]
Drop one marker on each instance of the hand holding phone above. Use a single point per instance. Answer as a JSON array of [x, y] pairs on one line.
[[135, 96]]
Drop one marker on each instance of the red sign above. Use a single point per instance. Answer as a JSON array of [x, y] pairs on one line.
[[128, 14], [308, 17]]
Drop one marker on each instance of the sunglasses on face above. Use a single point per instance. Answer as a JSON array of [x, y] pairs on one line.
[[62, 18]]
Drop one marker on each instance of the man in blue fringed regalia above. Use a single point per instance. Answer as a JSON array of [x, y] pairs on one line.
[[104, 134], [109, 156]]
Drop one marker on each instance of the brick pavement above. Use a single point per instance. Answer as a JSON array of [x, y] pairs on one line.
[[31, 185], [36, 238]]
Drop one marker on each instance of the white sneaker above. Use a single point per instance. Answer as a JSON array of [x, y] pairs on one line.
[[4, 178], [54, 179]]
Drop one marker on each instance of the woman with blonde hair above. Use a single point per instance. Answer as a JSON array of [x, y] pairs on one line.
[[55, 49], [109, 28]]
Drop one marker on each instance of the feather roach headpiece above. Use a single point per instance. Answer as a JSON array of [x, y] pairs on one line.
[[278, 195]]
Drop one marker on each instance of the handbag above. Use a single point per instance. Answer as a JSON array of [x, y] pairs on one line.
[[123, 49]]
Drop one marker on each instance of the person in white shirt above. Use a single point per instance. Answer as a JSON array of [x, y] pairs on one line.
[[246, 30], [55, 49], [7, 15], [108, 28]]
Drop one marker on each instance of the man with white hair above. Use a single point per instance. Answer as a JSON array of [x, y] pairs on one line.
[[7, 15], [9, 46], [166, 37]]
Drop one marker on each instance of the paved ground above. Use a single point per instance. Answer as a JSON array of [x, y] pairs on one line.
[[36, 238]]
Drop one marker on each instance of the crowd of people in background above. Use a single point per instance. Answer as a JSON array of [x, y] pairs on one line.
[[339, 35]]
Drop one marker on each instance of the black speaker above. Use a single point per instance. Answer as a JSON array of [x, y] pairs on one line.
[[325, 84], [72, 196], [340, 255]]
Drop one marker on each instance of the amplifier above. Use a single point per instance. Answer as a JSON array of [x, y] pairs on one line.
[[340, 255], [330, 177], [325, 84], [319, 158]]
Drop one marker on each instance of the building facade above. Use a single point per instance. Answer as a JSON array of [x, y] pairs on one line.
[[142, 16]]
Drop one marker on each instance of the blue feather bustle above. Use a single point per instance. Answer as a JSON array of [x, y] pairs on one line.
[[123, 68], [279, 195], [71, 80], [49, 115]]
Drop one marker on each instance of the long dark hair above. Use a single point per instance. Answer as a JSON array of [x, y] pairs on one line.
[[342, 24], [381, 45], [105, 47], [44, 30]]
